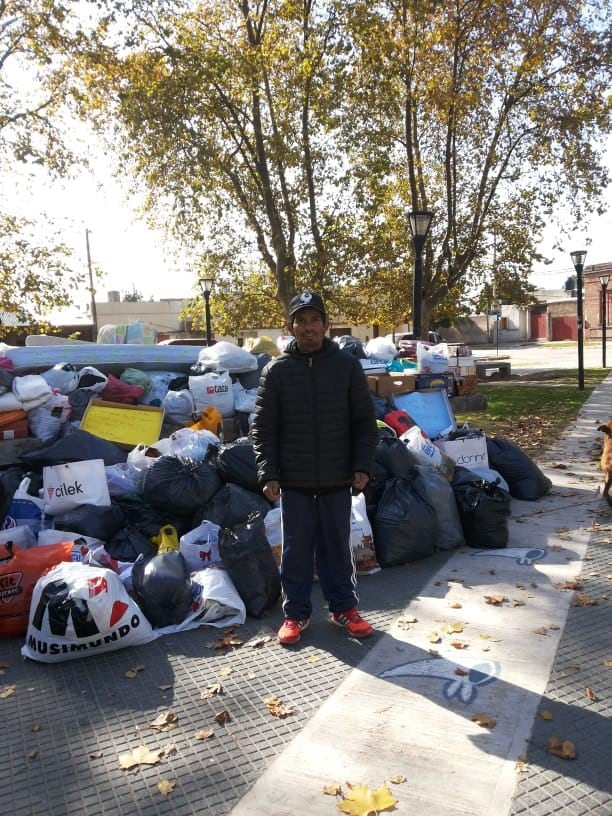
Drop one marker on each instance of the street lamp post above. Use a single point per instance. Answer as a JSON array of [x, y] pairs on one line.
[[419, 227], [578, 260], [603, 279], [206, 285]]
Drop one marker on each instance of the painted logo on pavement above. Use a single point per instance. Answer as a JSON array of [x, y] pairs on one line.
[[525, 556], [462, 687]]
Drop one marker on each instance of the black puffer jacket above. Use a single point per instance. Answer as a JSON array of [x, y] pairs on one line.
[[314, 422]]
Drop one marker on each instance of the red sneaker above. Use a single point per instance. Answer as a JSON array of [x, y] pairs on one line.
[[290, 631], [352, 621]]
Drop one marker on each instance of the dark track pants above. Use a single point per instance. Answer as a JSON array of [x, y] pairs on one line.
[[317, 529]]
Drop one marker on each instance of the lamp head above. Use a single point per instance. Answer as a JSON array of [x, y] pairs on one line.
[[578, 258], [419, 221], [603, 279], [206, 285]]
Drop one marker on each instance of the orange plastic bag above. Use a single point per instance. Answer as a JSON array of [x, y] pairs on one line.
[[209, 419], [20, 569]]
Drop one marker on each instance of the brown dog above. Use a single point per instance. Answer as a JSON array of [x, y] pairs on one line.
[[606, 459]]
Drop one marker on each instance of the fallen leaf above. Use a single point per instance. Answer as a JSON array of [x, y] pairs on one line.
[[166, 786], [433, 652], [455, 580], [226, 643], [583, 600], [226, 671], [398, 779], [167, 750], [277, 708], [458, 644], [222, 717], [134, 672], [553, 626], [456, 605], [7, 691], [407, 619], [484, 720], [495, 600], [516, 602], [32, 754], [255, 643], [361, 801], [608, 664], [333, 789], [542, 630], [138, 756], [545, 715], [461, 672], [434, 637], [165, 687], [95, 754], [165, 721], [561, 748], [204, 734], [314, 658], [590, 694], [450, 628], [211, 690], [568, 585]]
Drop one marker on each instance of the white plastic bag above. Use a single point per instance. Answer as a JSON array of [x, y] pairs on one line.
[[200, 546], [362, 539], [213, 388], [381, 348], [191, 444], [274, 533], [26, 510], [215, 602], [79, 611], [244, 398], [226, 356], [62, 377], [72, 484], [46, 420], [425, 450], [432, 359]]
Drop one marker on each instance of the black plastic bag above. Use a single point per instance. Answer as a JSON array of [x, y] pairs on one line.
[[232, 505], [180, 485], [438, 493], [10, 479], [148, 519], [235, 462], [247, 556], [396, 457], [404, 525], [484, 509], [525, 479], [129, 543], [92, 520], [75, 446], [162, 588], [352, 345]]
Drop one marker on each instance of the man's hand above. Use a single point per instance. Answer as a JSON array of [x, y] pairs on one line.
[[271, 491], [360, 480]]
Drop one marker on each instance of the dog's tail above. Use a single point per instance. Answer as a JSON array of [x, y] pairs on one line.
[[607, 429]]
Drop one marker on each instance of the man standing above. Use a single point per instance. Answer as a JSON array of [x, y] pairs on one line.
[[314, 435]]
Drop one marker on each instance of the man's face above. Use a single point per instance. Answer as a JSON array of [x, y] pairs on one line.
[[308, 327]]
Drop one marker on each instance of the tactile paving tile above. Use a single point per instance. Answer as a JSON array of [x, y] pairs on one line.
[[67, 723], [549, 784]]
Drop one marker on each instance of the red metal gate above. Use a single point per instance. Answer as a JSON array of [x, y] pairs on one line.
[[564, 328], [539, 326]]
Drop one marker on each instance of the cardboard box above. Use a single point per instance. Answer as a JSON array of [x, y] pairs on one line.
[[467, 385], [387, 384], [426, 381], [125, 425], [469, 452]]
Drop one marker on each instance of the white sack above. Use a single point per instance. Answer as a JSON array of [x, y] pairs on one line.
[[226, 356], [91, 613]]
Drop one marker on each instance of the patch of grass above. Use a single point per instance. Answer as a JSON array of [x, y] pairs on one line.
[[532, 410]]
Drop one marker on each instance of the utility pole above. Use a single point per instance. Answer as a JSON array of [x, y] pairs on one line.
[[92, 292]]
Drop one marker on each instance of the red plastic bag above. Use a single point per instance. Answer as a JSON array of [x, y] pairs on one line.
[[117, 390], [400, 421], [19, 571]]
